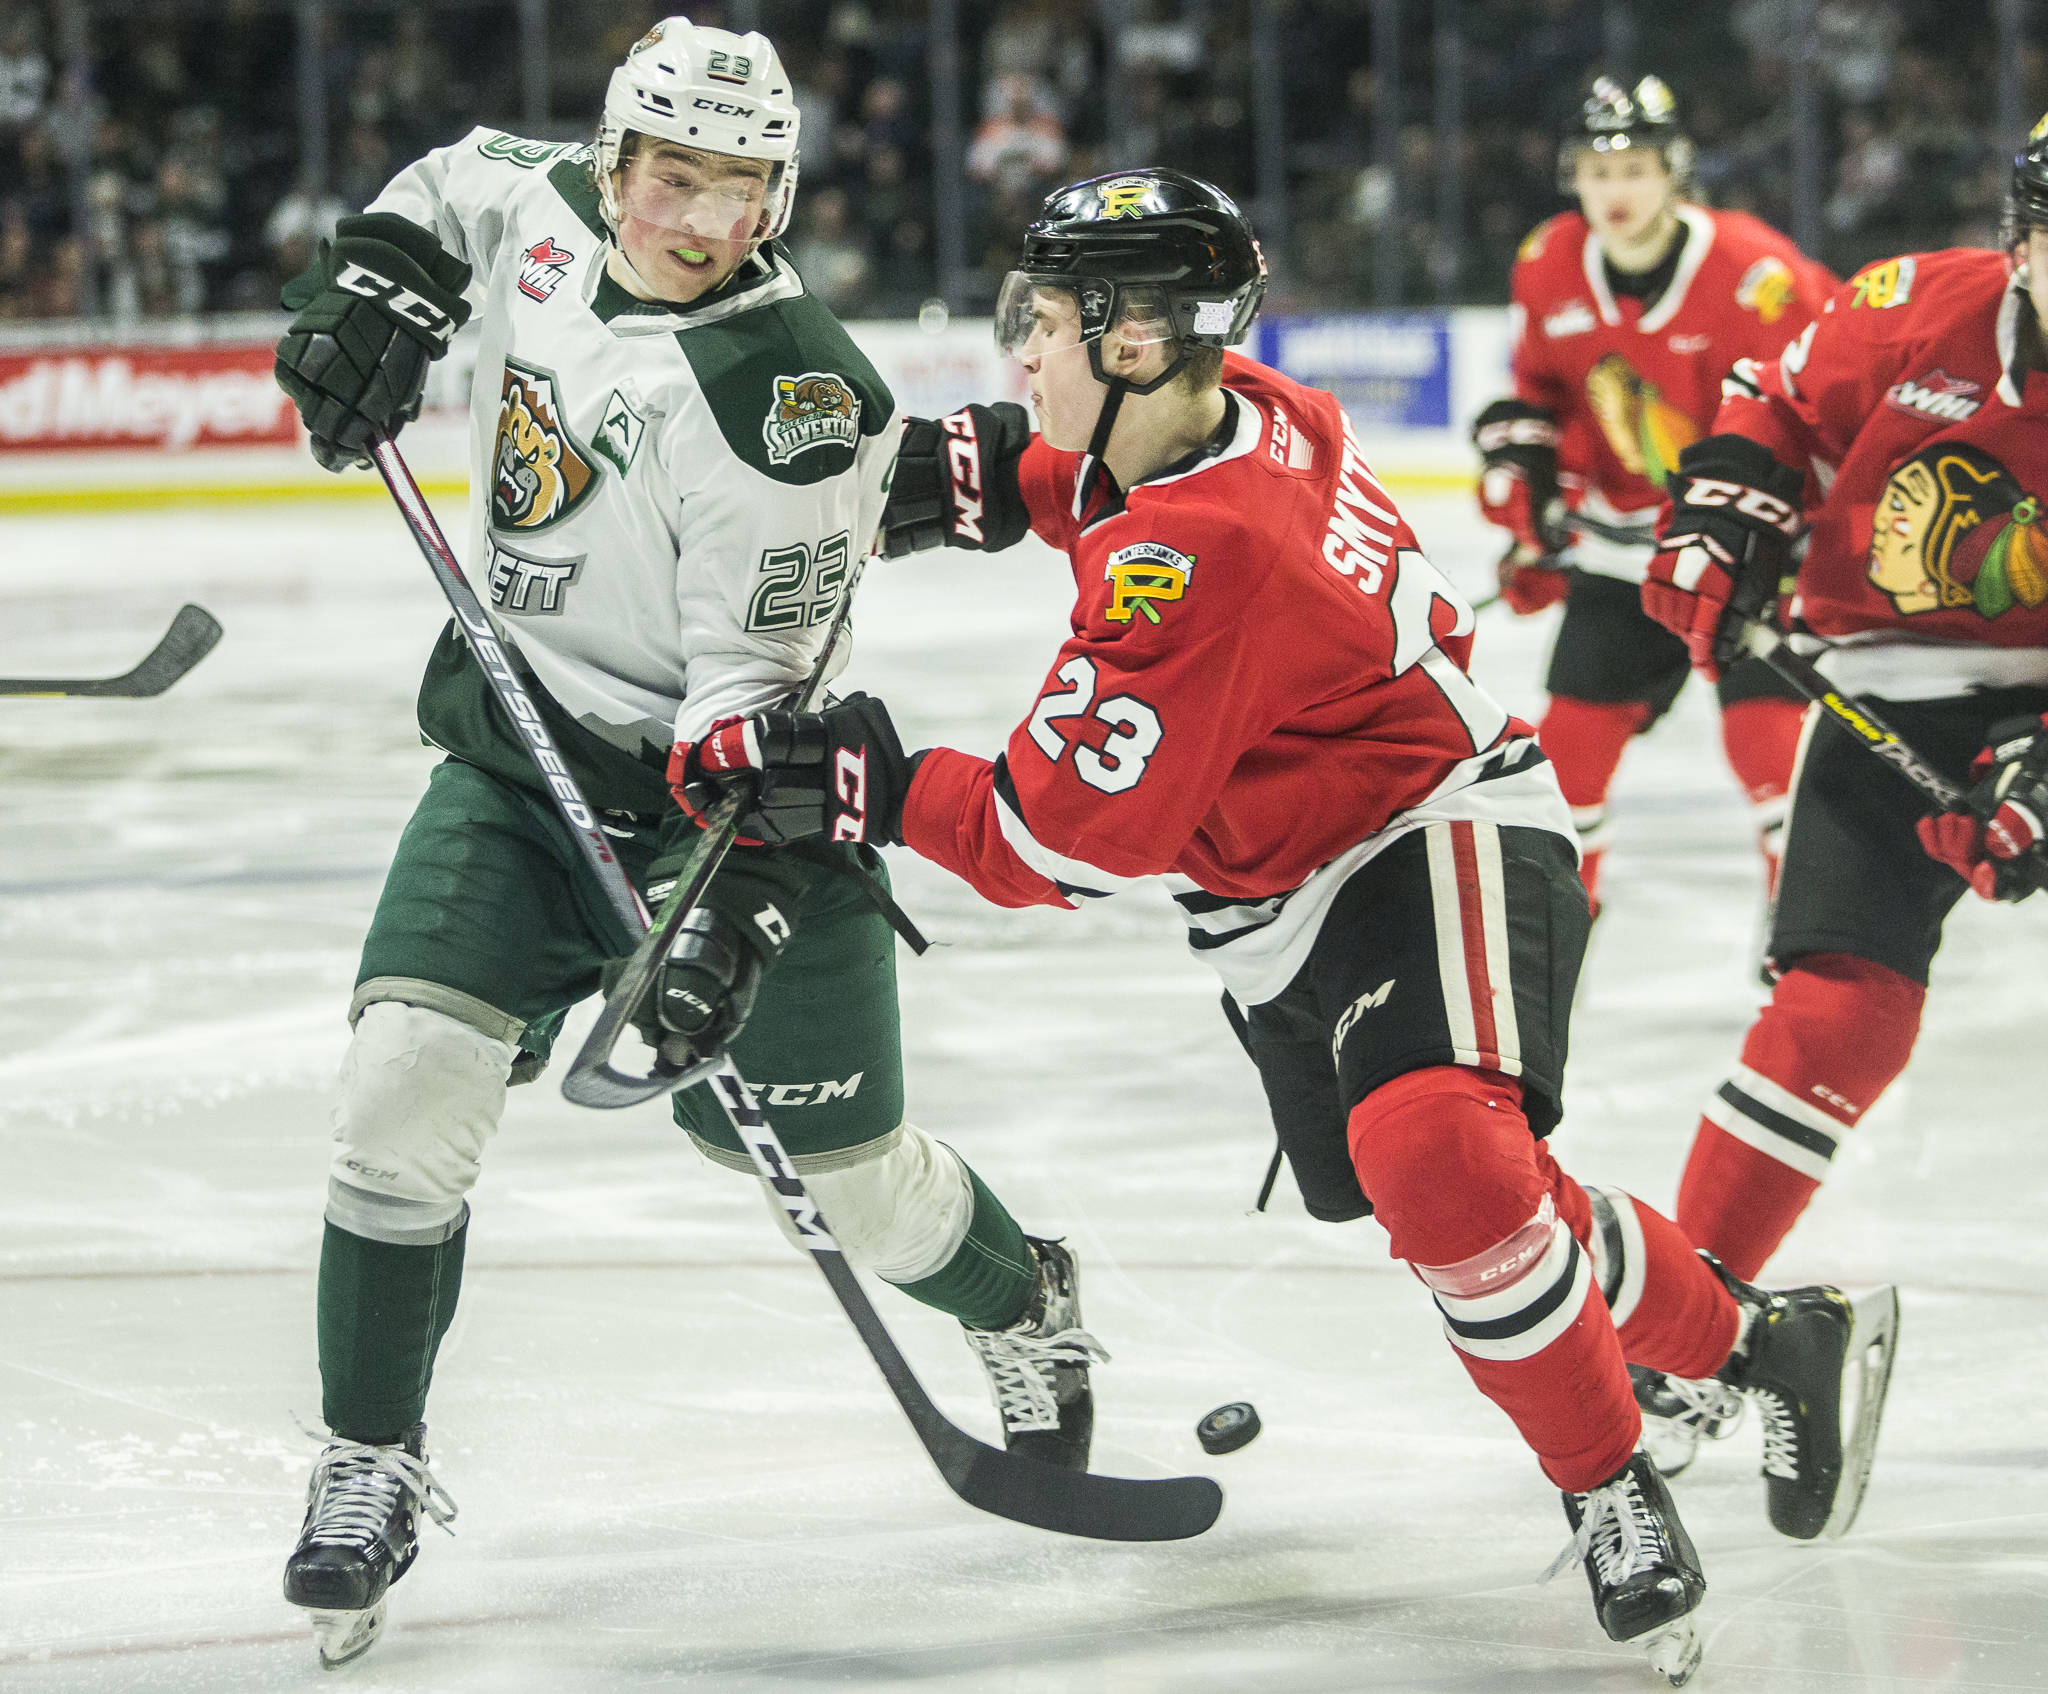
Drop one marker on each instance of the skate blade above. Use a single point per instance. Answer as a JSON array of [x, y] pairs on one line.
[[346, 1636], [1873, 1340], [1674, 1651]]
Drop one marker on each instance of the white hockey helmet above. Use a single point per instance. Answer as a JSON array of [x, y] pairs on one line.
[[706, 88]]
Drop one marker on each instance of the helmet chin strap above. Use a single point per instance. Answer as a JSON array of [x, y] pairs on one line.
[[1112, 403]]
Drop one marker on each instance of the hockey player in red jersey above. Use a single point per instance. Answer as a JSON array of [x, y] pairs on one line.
[[1627, 315], [1264, 700], [1906, 432]]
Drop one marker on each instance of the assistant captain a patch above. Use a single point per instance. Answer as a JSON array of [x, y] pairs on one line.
[[816, 409], [539, 473]]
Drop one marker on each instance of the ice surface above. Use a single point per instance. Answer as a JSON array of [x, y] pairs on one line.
[[676, 1467]]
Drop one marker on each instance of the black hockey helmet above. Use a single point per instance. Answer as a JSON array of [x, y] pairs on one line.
[[2026, 195], [1615, 119], [1152, 247]]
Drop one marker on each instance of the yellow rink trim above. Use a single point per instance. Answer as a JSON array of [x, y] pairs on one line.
[[29, 500], [209, 494]]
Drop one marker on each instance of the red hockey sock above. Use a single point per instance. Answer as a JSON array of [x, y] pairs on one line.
[[1670, 1310], [1453, 1173], [1761, 739], [1584, 740], [1837, 1031]]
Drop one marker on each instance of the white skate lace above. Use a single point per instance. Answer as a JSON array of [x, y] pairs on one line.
[[1617, 1529], [1020, 1371], [1781, 1434], [356, 1488], [1712, 1408]]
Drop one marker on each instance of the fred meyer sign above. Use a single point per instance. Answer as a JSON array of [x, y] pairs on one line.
[[1391, 370], [144, 397]]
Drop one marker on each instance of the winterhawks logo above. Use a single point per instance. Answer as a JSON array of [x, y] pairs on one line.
[[541, 267]]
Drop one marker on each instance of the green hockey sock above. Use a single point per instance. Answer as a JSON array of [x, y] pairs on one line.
[[383, 1310], [988, 1282]]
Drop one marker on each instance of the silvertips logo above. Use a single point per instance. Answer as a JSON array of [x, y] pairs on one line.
[[816, 409]]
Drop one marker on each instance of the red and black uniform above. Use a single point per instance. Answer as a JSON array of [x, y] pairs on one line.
[[1925, 439], [1631, 367], [1264, 701]]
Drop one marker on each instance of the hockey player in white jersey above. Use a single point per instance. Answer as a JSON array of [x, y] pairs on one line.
[[676, 453]]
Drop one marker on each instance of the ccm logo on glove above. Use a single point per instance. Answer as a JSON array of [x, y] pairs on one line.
[[1750, 502], [400, 302], [850, 768], [963, 460]]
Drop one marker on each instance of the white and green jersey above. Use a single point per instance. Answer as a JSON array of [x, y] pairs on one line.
[[664, 500]]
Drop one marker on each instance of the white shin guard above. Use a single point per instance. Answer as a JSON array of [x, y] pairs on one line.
[[901, 1214], [420, 1094]]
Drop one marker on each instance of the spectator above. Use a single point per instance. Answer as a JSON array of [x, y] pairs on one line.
[[1019, 149], [297, 225], [833, 264]]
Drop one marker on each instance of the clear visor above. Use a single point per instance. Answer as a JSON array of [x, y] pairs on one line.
[[1038, 314], [684, 201]]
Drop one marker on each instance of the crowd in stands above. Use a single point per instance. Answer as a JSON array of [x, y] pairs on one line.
[[168, 177]]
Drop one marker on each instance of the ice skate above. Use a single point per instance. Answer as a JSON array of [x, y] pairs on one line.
[[1038, 1367], [1817, 1366], [361, 1535], [1645, 1576], [1679, 1413]]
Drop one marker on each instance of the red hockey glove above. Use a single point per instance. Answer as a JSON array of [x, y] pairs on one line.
[[2007, 814], [1518, 490], [1723, 548], [955, 482], [1527, 584], [698, 786], [840, 773]]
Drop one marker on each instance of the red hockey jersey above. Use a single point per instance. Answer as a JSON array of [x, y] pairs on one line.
[[1902, 399], [1632, 387], [1265, 684]]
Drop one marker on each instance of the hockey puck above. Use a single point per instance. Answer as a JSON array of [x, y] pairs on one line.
[[1228, 1428]]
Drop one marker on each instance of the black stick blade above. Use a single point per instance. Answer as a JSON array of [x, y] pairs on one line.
[[193, 634], [1067, 1502]]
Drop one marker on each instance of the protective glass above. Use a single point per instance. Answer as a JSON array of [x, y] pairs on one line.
[[684, 199], [1038, 314]]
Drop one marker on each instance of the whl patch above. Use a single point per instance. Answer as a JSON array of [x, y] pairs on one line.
[[541, 267]]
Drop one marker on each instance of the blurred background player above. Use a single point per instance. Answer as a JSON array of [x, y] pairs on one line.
[[659, 408], [1264, 701], [1908, 429], [1627, 315]]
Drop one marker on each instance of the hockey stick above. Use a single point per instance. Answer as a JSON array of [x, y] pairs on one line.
[[1761, 641], [190, 638], [1104, 1508]]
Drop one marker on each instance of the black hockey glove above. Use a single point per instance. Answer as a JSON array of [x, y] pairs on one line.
[[704, 992], [1722, 554], [1995, 843], [840, 773], [1518, 488], [956, 482], [377, 305]]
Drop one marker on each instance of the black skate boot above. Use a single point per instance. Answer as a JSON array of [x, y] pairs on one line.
[[361, 1535], [1645, 1576], [1818, 1367], [1038, 1367], [1678, 1413]]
